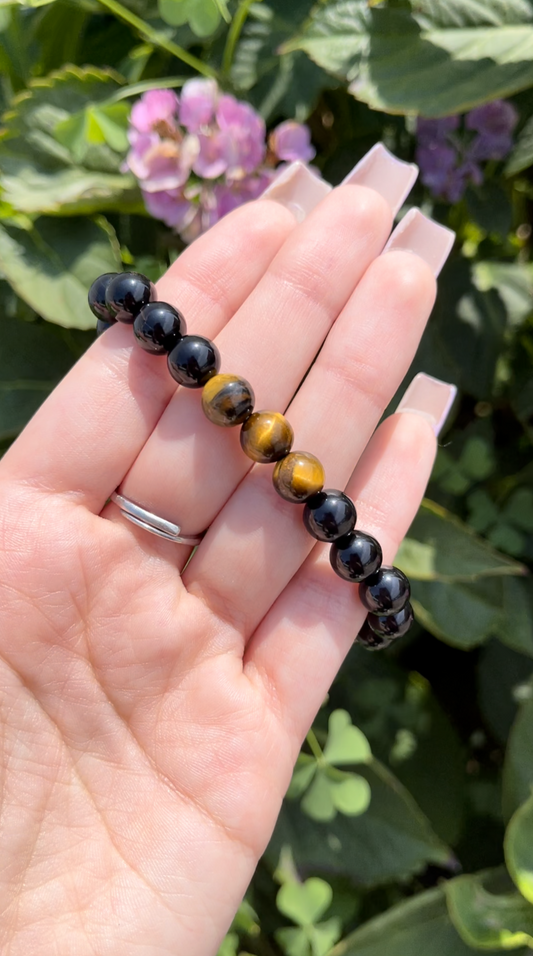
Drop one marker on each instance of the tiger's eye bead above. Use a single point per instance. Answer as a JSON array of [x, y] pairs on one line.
[[193, 361], [227, 400], [159, 327], [386, 592], [127, 294], [96, 298], [329, 515], [266, 436], [102, 326], [356, 556], [393, 626], [298, 476], [370, 640]]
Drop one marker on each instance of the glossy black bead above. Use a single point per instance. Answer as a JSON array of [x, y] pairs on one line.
[[372, 641], [159, 327], [102, 326], [394, 625], [385, 592], [356, 556], [193, 361], [329, 515], [96, 297], [127, 294]]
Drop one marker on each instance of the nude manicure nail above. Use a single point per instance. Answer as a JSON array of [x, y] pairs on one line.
[[423, 236], [430, 398], [299, 189], [382, 171]]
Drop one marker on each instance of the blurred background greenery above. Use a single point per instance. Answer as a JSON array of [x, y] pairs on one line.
[[408, 826]]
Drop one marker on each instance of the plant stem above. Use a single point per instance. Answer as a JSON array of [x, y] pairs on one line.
[[314, 746], [234, 33], [157, 38]]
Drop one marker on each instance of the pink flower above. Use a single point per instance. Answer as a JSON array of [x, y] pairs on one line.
[[156, 106], [247, 131], [166, 164], [214, 155], [171, 207], [198, 103], [291, 141]]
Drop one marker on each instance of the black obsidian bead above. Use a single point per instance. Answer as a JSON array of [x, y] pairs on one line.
[[385, 592], [102, 326], [96, 298], [159, 327], [394, 625], [193, 361], [127, 294], [356, 556], [329, 515], [372, 641]]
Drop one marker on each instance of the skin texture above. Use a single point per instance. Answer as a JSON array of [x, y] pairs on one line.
[[150, 721]]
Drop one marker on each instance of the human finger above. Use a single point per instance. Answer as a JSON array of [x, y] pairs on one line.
[[85, 436], [358, 371], [271, 341], [300, 645]]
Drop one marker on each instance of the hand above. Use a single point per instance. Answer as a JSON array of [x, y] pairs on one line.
[[151, 718]]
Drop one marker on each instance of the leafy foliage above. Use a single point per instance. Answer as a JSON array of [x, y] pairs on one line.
[[407, 826]]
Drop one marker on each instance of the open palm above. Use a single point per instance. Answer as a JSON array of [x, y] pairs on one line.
[[151, 718]]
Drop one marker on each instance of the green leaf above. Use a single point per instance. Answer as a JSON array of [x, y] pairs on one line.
[[431, 59], [63, 143], [485, 915], [34, 358], [174, 12], [519, 849], [277, 85], [304, 903], [392, 840], [294, 941], [204, 17], [518, 766], [522, 155], [516, 626], [477, 458], [303, 773], [345, 743], [418, 925], [451, 552], [324, 935], [318, 801], [230, 945], [514, 283], [518, 509], [457, 578], [352, 795], [52, 266]]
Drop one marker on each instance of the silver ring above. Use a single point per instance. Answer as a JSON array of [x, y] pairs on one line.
[[150, 522]]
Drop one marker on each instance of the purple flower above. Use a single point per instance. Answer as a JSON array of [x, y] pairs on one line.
[[198, 104], [165, 164], [247, 135], [436, 130], [170, 206], [449, 158], [153, 108], [200, 156], [291, 141], [214, 156]]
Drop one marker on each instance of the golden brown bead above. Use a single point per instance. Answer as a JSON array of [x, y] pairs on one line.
[[266, 436], [298, 476], [227, 400]]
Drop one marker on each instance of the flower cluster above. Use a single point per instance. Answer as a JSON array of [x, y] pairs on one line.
[[450, 153], [202, 154]]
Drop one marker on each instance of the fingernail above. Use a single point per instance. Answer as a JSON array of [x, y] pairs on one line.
[[299, 189], [390, 177], [425, 237], [430, 398]]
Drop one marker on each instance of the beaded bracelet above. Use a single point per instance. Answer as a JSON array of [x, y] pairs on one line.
[[228, 400]]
